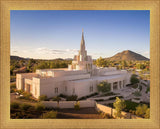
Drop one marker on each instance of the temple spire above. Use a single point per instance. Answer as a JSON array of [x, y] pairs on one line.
[[82, 47]]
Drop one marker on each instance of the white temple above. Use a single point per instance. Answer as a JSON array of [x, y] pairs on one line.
[[81, 78]]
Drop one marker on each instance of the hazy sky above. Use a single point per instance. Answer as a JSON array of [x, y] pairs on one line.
[[57, 34]]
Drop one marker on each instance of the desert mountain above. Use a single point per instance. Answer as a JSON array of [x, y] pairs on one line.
[[22, 58], [127, 55], [17, 58]]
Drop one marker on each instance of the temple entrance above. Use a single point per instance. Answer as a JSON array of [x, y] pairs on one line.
[[115, 85], [28, 87], [120, 84]]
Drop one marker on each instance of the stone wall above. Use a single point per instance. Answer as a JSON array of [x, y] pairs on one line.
[[112, 112], [68, 104]]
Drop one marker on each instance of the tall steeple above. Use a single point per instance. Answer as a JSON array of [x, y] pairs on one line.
[[82, 47], [82, 51]]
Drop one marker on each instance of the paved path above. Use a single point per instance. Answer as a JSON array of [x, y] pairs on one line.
[[145, 96]]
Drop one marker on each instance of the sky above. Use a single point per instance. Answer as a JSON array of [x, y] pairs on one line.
[[50, 34]]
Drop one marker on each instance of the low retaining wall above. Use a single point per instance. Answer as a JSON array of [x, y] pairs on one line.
[[69, 104], [88, 103], [104, 97], [112, 111]]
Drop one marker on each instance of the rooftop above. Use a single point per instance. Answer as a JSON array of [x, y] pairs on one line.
[[100, 78]]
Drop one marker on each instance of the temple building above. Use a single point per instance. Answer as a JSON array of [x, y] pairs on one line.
[[80, 78]]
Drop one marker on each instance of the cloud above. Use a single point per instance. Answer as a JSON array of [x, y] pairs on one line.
[[15, 51], [145, 53], [44, 50]]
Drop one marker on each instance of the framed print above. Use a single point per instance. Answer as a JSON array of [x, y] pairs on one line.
[[79, 64]]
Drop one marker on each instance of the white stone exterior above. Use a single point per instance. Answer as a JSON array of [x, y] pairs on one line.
[[81, 78]]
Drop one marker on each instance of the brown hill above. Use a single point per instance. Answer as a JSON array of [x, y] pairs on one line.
[[127, 55]]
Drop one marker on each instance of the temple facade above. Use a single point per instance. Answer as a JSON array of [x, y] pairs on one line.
[[80, 78]]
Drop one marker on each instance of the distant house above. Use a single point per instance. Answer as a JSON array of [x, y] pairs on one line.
[[138, 70], [81, 78]]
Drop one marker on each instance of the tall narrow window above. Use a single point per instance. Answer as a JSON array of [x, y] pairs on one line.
[[56, 90], [91, 88], [73, 90], [65, 88]]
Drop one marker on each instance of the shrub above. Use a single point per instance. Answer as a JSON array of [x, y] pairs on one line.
[[77, 105], [93, 94], [15, 105], [109, 94], [147, 115], [56, 98], [42, 98], [134, 79], [49, 115], [72, 98], [131, 105], [12, 88], [85, 97], [119, 106], [107, 116], [104, 87], [148, 89], [25, 106], [27, 95], [133, 112], [110, 105], [13, 85], [39, 107], [63, 96], [141, 110], [140, 88], [137, 93], [82, 98], [19, 91], [134, 86]]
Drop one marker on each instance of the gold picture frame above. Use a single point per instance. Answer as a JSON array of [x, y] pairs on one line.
[[7, 5]]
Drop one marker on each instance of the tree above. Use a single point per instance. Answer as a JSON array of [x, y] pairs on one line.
[[119, 105], [141, 110], [71, 98], [104, 87], [42, 98], [124, 64], [100, 62], [147, 115], [134, 79], [49, 115], [39, 107], [77, 105]]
